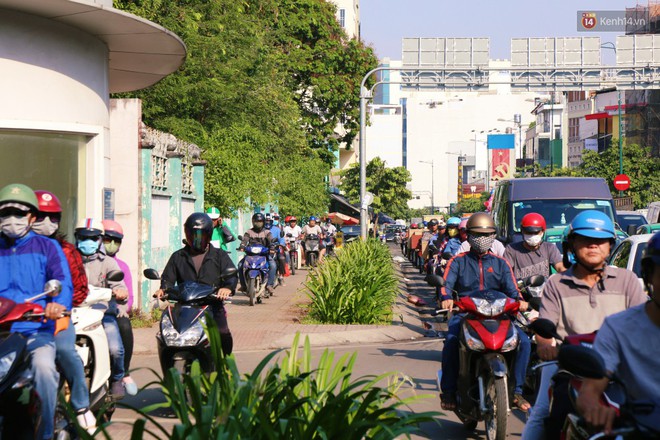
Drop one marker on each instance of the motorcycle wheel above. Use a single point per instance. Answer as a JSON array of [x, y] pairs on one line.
[[496, 400], [294, 263], [251, 289], [312, 259]]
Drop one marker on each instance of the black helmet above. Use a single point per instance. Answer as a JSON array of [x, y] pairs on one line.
[[199, 229], [258, 221]]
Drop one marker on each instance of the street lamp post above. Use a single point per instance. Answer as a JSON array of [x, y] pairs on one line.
[[432, 184], [610, 45]]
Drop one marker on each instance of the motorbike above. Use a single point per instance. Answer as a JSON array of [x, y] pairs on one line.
[[531, 288], [293, 247], [255, 271], [488, 342], [181, 339], [330, 245], [92, 345], [312, 249], [20, 404], [577, 360]]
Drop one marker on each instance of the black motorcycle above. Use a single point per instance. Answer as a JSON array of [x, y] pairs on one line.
[[181, 339]]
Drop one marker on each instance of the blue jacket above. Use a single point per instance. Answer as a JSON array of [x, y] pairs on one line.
[[24, 269], [453, 245], [468, 271], [276, 232]]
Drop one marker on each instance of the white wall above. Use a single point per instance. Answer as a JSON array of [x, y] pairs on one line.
[[384, 139], [352, 17]]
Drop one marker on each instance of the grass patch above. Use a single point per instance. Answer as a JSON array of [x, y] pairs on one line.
[[358, 286], [140, 319]]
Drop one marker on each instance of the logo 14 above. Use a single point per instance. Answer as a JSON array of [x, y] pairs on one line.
[[589, 20]]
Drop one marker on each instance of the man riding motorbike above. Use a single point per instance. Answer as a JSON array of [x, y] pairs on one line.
[[259, 234], [617, 342], [278, 235], [475, 270], [312, 228], [426, 247], [578, 300]]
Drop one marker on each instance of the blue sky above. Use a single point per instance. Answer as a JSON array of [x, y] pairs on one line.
[[386, 22]]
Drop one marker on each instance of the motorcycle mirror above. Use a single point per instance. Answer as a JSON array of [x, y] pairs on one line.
[[53, 288], [447, 256], [229, 272], [581, 361], [151, 274], [632, 229], [240, 237], [535, 281], [434, 280], [545, 328], [289, 234], [115, 275]]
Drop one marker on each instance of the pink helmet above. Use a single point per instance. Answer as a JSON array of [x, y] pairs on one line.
[[113, 229], [463, 223]]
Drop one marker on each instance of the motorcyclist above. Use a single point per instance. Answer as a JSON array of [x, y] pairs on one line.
[[617, 342], [112, 239], [533, 256], [329, 230], [199, 261], [475, 270], [222, 233], [291, 232], [89, 238], [577, 302], [30, 260], [312, 228], [259, 234], [278, 235], [453, 241], [462, 231], [47, 224], [435, 229]]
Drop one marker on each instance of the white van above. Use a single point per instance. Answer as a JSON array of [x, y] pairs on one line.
[[653, 216]]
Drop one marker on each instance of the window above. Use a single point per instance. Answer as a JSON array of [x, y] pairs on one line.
[[573, 129], [342, 18], [620, 258]]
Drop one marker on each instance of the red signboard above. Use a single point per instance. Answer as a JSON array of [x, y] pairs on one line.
[[622, 182]]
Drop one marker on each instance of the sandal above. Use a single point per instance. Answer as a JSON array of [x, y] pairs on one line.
[[521, 403], [448, 402]]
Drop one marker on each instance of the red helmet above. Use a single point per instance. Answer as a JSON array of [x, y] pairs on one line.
[[113, 229], [48, 202], [413, 226], [532, 223]]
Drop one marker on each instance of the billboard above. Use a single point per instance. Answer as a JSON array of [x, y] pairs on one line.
[[500, 165], [446, 52], [500, 141], [555, 51]]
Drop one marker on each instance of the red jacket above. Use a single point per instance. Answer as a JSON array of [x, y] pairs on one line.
[[78, 276]]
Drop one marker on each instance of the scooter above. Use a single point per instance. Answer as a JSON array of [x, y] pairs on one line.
[[531, 288], [312, 249], [293, 247], [488, 342], [181, 339], [577, 360], [255, 271], [20, 404]]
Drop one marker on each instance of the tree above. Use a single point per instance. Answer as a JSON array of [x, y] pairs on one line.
[[388, 185], [474, 204]]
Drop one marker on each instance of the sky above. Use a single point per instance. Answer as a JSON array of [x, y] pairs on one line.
[[385, 22]]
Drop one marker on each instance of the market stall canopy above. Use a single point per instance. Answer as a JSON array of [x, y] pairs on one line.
[[342, 219]]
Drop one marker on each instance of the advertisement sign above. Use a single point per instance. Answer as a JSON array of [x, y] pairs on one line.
[[108, 204], [501, 141], [591, 144], [500, 165]]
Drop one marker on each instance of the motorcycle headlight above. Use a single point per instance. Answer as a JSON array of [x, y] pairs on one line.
[[6, 362], [175, 339], [488, 308], [511, 342], [473, 343]]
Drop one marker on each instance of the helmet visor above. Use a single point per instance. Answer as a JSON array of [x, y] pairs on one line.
[[197, 239]]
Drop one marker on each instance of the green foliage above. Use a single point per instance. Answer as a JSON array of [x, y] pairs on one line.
[[264, 85], [288, 400], [473, 205], [388, 185], [638, 163], [359, 286]]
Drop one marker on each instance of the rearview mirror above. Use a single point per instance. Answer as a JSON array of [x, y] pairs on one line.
[[632, 229], [544, 328], [115, 275], [535, 281], [581, 361], [434, 280], [53, 288], [228, 273], [240, 237], [151, 274]]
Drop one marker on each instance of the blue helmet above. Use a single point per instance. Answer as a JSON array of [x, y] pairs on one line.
[[313, 218], [592, 224], [453, 221]]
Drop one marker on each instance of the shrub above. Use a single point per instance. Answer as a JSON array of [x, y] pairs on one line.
[[289, 400], [359, 286]]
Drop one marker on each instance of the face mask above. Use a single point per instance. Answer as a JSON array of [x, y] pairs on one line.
[[88, 247], [45, 227], [14, 226], [533, 240], [481, 243], [453, 232], [111, 247]]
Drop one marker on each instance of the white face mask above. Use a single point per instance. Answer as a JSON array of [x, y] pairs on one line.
[[45, 227], [533, 240], [14, 226]]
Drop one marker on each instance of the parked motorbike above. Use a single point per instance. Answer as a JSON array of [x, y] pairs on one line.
[[488, 342], [312, 249], [20, 405], [255, 271], [181, 339], [293, 247], [577, 360]]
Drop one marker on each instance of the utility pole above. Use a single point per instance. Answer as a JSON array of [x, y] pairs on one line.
[[432, 184]]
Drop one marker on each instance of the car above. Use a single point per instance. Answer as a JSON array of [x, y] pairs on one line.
[[391, 231], [629, 221], [350, 233], [648, 228], [628, 254]]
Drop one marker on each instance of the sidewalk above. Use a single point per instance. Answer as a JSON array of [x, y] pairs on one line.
[[274, 323]]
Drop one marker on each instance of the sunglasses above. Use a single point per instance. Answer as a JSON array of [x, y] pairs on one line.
[[54, 217], [13, 212], [111, 239]]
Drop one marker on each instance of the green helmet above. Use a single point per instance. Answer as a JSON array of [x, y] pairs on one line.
[[18, 193]]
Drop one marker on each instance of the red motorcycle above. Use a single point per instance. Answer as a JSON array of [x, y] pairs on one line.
[[488, 342]]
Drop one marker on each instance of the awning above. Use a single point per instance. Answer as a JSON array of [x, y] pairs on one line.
[[338, 218], [341, 204], [602, 115]]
